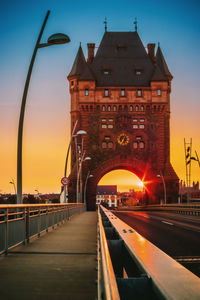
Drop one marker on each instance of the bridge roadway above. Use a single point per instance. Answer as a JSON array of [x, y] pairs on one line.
[[59, 265], [177, 235]]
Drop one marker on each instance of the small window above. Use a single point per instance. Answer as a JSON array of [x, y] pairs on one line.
[[139, 93], [114, 108], [125, 108], [86, 92], [104, 126], [135, 145], [109, 108], [91, 108], [107, 138], [72, 83], [110, 145], [141, 126], [141, 145], [142, 107], [134, 120], [82, 107], [120, 108], [136, 108], [98, 107], [135, 126], [104, 145], [110, 120], [87, 107], [106, 92], [122, 92], [159, 92], [103, 108], [131, 107], [106, 72], [141, 120], [110, 126], [103, 120]]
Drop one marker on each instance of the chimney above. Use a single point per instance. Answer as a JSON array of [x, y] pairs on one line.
[[91, 48], [151, 52]]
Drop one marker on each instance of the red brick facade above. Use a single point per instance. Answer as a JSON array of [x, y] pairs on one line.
[[127, 124]]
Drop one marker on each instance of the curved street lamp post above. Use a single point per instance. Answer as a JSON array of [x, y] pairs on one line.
[[85, 186], [164, 186], [79, 179], [54, 39]]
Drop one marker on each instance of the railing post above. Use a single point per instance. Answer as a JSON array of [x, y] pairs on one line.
[[6, 231], [47, 218], [27, 224], [39, 222]]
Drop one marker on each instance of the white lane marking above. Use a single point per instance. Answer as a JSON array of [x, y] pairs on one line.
[[167, 223]]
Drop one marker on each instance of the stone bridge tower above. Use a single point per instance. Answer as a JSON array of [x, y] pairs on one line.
[[121, 98]]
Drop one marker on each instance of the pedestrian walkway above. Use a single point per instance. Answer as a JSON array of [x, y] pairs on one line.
[[59, 265]]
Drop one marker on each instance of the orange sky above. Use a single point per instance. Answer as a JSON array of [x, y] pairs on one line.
[[47, 116]]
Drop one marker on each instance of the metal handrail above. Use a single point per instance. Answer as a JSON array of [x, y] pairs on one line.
[[170, 280], [21, 222], [109, 280]]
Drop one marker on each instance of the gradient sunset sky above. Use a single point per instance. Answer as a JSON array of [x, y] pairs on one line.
[[175, 24]]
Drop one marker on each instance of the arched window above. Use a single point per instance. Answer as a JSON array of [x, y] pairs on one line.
[[87, 107], [136, 108], [142, 107], [104, 145], [103, 108], [125, 108], [91, 108], [98, 107], [114, 108], [135, 145], [109, 108], [110, 145], [120, 108], [131, 107], [141, 145], [82, 107]]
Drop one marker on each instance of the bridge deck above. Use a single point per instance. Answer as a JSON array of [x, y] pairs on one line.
[[59, 265]]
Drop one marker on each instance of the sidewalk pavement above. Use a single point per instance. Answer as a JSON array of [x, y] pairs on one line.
[[59, 265]]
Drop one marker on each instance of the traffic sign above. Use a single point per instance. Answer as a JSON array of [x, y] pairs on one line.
[[65, 181]]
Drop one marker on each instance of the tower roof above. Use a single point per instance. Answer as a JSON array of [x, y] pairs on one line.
[[121, 60], [80, 67], [162, 63], [122, 54]]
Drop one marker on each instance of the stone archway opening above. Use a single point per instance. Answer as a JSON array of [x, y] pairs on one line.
[[120, 187]]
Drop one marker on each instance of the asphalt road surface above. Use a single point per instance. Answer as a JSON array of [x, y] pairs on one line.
[[177, 235]]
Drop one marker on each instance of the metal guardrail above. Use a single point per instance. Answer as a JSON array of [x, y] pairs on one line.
[[186, 209], [139, 269], [20, 223]]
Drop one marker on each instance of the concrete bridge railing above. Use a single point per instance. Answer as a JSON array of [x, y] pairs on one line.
[[20, 223], [130, 267]]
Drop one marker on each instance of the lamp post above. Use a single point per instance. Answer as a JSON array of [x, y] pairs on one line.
[[12, 182], [79, 151], [66, 161], [86, 180], [164, 186], [79, 182], [54, 39]]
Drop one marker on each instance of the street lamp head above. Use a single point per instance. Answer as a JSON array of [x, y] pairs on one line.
[[58, 38], [91, 176], [158, 175], [87, 158], [80, 132]]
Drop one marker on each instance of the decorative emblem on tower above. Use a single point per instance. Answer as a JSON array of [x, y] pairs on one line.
[[123, 139]]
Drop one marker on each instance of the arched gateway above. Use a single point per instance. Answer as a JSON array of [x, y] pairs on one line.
[[121, 98]]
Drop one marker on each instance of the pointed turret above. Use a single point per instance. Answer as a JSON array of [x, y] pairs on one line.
[[80, 67], [162, 64], [158, 75]]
